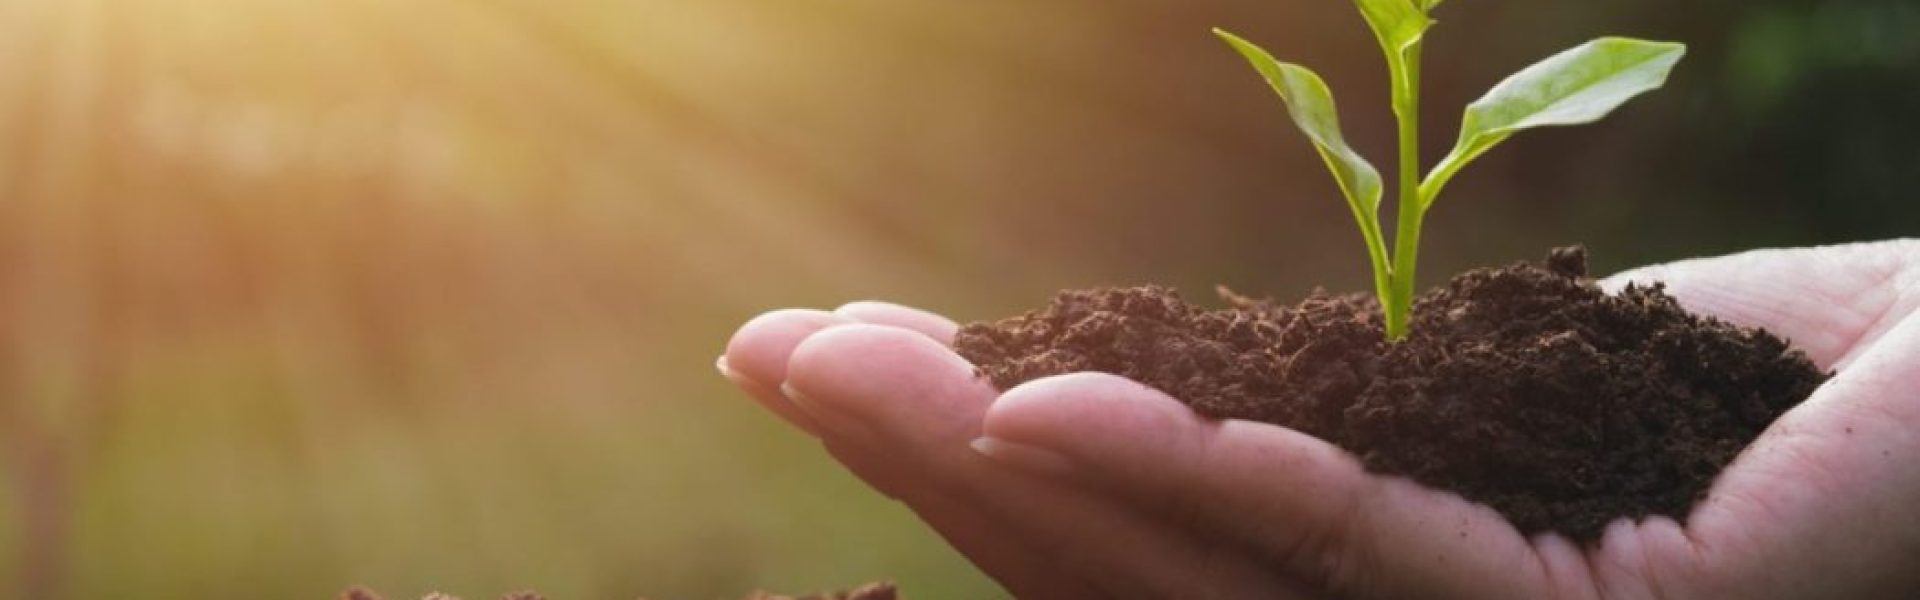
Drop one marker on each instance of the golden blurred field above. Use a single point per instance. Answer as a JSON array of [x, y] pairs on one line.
[[421, 295], [424, 294]]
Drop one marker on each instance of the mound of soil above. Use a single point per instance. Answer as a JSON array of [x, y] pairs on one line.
[[871, 591], [1525, 388]]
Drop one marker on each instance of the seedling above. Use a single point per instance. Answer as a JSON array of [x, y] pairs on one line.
[[1575, 87]]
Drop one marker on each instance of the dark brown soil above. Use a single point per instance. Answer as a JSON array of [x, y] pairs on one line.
[[1525, 388], [871, 591]]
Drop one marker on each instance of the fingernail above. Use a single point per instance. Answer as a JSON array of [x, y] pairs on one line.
[[760, 393], [1022, 456], [807, 405], [738, 378], [828, 417], [794, 396]]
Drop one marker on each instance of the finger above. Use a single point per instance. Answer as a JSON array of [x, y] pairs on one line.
[[765, 347], [1832, 302], [940, 328], [769, 398], [1294, 497], [1822, 504], [756, 358], [885, 388], [762, 348]]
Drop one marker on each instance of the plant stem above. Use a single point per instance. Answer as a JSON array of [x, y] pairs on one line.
[[1398, 306]]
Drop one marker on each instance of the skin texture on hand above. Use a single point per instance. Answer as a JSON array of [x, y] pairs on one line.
[[1089, 485]]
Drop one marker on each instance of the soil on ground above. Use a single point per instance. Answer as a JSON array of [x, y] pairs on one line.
[[1525, 388]]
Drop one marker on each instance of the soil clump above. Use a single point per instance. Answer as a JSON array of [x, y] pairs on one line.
[[1525, 388]]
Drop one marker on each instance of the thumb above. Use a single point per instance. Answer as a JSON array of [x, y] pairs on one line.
[[1833, 302]]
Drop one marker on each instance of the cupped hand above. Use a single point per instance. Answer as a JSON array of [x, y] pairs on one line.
[[1092, 486]]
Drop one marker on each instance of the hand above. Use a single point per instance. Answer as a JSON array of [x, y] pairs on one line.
[[1092, 486]]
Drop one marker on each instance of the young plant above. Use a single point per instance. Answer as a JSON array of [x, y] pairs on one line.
[[1574, 87]]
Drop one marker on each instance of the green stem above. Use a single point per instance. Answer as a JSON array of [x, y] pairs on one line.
[[1406, 240], [1376, 252]]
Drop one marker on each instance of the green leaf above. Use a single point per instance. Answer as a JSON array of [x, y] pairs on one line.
[[1310, 104], [1575, 87], [1398, 24], [1429, 5]]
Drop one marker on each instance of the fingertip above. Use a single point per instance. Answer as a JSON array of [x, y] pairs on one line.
[[887, 376], [940, 328], [1064, 410], [760, 349], [849, 357]]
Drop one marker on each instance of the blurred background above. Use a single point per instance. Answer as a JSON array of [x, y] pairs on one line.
[[425, 294]]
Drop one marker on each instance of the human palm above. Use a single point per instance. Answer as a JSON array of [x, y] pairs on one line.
[[1089, 485]]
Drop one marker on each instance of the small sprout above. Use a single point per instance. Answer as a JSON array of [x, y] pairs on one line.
[[1575, 87]]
